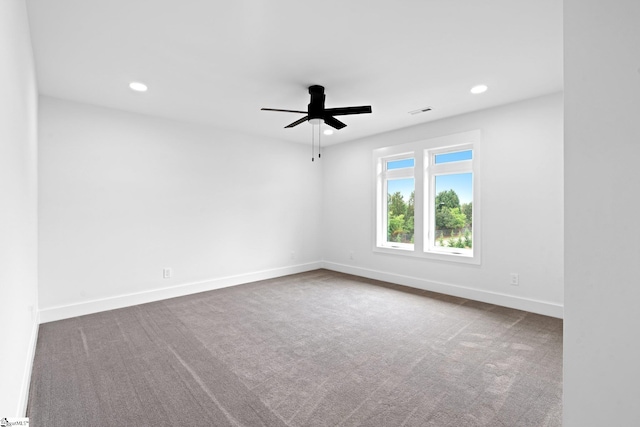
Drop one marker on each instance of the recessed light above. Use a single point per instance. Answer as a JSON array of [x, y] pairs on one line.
[[479, 89], [138, 87], [328, 132]]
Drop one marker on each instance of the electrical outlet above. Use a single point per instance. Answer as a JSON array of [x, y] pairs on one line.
[[515, 279], [166, 273], [293, 255], [350, 254]]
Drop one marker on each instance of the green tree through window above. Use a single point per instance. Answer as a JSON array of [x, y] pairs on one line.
[[400, 218]]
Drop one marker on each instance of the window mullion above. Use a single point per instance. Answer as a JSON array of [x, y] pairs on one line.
[[429, 189], [418, 204], [457, 167]]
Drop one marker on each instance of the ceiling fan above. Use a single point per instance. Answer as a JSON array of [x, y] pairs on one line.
[[316, 113]]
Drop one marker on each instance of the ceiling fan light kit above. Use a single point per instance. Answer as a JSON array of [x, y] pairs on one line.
[[317, 114]]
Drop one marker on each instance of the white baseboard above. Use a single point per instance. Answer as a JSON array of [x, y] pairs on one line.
[[120, 301], [533, 306], [21, 411], [89, 307]]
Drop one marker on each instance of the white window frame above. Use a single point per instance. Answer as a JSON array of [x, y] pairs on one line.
[[424, 172]]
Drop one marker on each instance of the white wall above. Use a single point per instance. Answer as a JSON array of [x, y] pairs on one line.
[[18, 207], [123, 196], [602, 184], [522, 209]]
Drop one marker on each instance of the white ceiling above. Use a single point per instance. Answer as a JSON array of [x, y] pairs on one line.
[[218, 62]]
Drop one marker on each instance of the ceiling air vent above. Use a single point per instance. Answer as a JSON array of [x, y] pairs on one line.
[[420, 110]]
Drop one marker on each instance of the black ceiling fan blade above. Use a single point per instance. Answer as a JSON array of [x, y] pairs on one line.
[[297, 122], [284, 111], [348, 110], [333, 122]]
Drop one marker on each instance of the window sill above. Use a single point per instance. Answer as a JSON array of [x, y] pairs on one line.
[[436, 256]]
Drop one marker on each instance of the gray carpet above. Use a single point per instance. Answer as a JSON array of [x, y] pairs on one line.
[[313, 349]]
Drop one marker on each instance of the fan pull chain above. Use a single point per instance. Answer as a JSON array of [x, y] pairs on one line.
[[313, 141], [313, 135], [319, 139]]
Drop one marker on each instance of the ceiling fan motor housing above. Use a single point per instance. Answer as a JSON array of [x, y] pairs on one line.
[[315, 109]]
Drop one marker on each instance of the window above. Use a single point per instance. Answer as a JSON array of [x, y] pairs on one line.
[[427, 198], [449, 172], [399, 183]]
